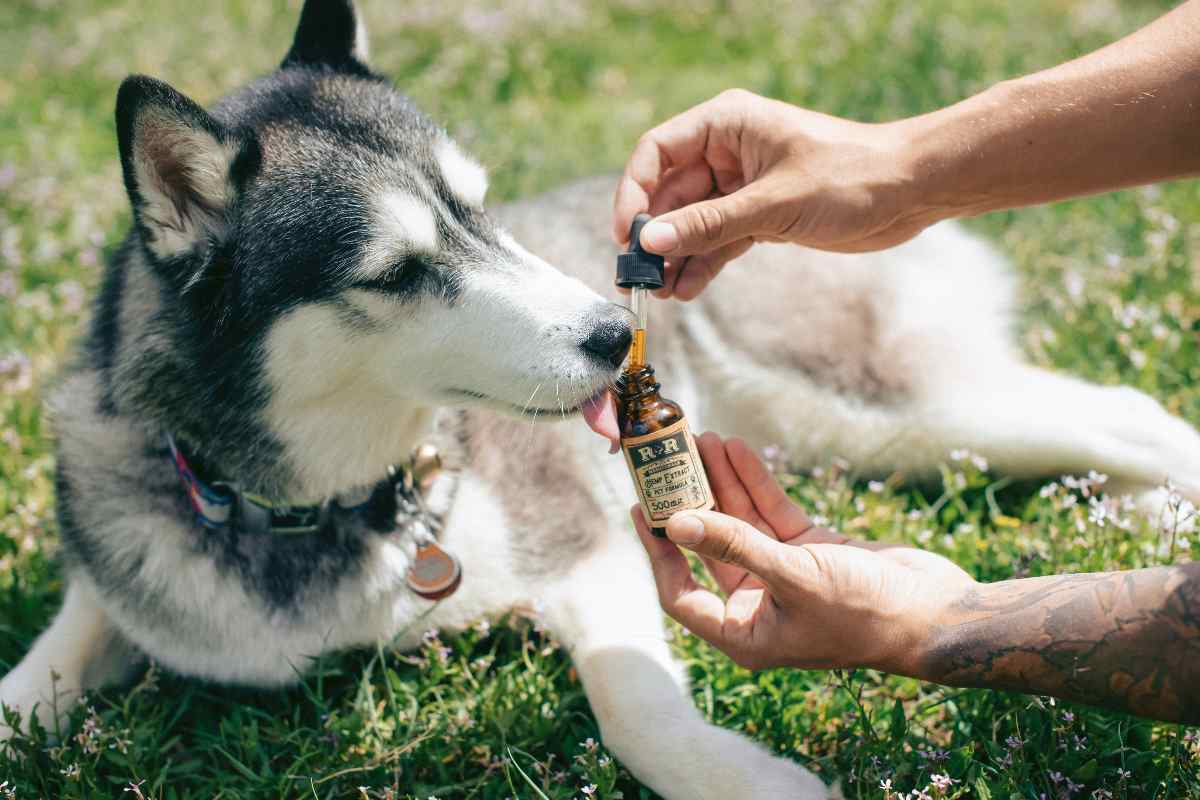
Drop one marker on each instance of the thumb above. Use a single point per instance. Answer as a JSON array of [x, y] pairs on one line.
[[731, 541], [705, 226]]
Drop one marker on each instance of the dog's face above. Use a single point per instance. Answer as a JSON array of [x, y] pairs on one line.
[[321, 226]]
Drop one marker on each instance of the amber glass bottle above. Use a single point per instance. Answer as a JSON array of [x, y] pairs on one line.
[[659, 450], [658, 446]]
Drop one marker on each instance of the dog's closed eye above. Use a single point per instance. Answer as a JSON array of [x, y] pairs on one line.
[[405, 277]]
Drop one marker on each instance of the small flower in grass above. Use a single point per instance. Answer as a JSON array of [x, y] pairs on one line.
[[8, 792], [483, 627], [590, 744], [886, 785], [1123, 774], [942, 782], [136, 788], [71, 772], [16, 373], [1068, 716], [604, 761], [876, 487], [1072, 787], [589, 790], [1013, 743], [1056, 778]]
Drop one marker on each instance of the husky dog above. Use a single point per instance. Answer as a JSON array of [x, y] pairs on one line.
[[312, 287]]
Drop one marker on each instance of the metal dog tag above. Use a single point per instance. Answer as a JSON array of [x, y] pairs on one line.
[[434, 573]]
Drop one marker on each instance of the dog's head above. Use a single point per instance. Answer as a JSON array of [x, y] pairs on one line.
[[319, 233]]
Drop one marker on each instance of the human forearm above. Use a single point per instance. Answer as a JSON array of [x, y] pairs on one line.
[[1123, 640], [1124, 115]]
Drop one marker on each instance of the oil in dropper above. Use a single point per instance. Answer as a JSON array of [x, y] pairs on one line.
[[658, 446]]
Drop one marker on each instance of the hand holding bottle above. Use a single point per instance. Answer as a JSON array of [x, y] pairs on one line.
[[794, 594]]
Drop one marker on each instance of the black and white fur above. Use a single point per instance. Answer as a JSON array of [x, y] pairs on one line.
[[312, 287]]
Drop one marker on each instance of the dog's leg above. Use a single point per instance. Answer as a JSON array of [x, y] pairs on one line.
[[1030, 422], [80, 650], [606, 613]]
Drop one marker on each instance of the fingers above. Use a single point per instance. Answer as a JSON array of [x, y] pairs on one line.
[[698, 609], [728, 489], [671, 571], [682, 186], [770, 501], [697, 272], [708, 225], [707, 134], [732, 541], [680, 141]]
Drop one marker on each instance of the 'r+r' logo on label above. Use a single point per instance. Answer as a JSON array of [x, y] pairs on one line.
[[652, 452]]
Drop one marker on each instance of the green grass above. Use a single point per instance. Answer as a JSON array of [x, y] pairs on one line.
[[1110, 290]]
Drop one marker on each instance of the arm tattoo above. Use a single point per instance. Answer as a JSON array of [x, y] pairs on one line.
[[1124, 640]]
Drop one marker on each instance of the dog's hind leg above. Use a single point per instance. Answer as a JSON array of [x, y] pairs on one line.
[[80, 650], [606, 612], [1031, 422]]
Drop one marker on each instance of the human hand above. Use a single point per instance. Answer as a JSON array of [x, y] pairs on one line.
[[742, 168], [795, 594]]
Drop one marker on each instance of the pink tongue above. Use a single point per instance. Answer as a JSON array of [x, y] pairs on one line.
[[600, 413]]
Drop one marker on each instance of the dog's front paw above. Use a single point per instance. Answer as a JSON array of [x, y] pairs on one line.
[[770, 777], [692, 759], [25, 697]]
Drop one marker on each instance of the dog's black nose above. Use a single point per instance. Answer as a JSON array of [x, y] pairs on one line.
[[609, 341]]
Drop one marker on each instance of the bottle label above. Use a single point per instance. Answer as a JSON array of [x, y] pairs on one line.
[[667, 472]]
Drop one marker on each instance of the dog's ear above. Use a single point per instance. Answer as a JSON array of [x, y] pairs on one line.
[[182, 168], [330, 34]]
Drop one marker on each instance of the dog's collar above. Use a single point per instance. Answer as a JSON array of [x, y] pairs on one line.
[[433, 574], [222, 503]]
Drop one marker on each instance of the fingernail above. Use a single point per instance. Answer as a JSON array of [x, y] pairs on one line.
[[685, 529], [661, 237]]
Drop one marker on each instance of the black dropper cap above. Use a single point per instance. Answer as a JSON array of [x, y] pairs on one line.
[[638, 267]]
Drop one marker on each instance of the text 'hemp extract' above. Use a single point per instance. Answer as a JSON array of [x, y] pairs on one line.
[[658, 447]]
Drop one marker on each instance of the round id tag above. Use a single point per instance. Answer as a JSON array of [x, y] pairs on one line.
[[434, 573]]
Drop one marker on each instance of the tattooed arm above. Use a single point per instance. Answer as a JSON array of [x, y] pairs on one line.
[[1125, 640]]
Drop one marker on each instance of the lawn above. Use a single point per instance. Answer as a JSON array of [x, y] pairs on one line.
[[1110, 290]]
